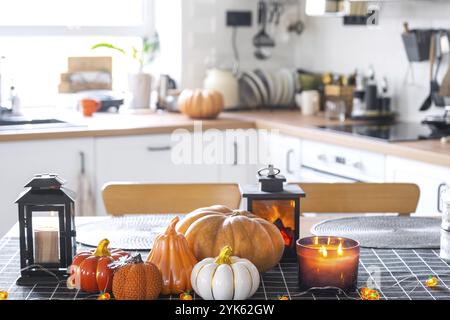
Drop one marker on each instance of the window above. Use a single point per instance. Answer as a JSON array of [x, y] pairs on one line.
[[37, 37], [75, 17]]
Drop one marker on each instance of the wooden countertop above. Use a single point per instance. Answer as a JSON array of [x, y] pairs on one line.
[[287, 122]]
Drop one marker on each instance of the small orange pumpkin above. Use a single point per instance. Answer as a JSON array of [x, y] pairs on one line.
[[137, 280], [201, 104], [171, 254]]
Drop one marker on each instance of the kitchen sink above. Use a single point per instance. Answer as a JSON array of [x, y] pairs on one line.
[[22, 123]]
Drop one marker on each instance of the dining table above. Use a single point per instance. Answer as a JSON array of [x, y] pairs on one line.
[[396, 274]]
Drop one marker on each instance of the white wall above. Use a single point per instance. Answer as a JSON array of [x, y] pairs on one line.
[[327, 45], [204, 32]]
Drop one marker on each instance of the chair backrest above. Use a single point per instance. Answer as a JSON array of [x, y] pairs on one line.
[[131, 198], [401, 198]]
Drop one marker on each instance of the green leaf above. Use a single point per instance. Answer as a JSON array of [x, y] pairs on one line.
[[108, 46]]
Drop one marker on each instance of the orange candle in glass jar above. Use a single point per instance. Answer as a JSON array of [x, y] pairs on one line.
[[327, 262]]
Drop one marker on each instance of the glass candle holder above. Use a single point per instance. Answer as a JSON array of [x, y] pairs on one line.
[[328, 262]]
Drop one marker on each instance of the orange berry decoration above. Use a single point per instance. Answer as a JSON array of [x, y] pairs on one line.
[[3, 295], [431, 282], [104, 296], [186, 295], [369, 294]]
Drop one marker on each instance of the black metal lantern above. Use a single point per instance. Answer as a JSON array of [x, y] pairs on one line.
[[277, 203], [47, 229]]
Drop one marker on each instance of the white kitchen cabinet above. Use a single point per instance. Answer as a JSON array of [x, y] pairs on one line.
[[21, 160], [430, 179], [330, 163], [285, 154], [146, 158], [240, 160]]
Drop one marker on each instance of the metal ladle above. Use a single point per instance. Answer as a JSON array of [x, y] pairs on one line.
[[262, 41]]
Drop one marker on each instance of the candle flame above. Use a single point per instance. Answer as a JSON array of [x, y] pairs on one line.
[[323, 251], [340, 250]]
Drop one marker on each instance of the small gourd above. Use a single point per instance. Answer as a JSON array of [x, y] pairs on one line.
[[171, 254]]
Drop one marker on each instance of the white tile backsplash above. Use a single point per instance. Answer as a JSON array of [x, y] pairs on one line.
[[327, 45]]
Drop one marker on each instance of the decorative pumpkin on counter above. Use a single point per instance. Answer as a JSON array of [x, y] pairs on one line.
[[200, 104], [171, 254], [225, 277], [90, 271], [208, 230], [137, 280]]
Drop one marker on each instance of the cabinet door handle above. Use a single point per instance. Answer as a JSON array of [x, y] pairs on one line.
[[158, 149], [288, 161], [82, 162], [439, 200], [235, 150]]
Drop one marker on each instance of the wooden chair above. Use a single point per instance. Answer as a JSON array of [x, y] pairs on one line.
[[130, 198], [401, 198]]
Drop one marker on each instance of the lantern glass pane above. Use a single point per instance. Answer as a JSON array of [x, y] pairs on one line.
[[279, 212], [46, 237]]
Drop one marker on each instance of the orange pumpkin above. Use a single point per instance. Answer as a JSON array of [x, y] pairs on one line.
[[208, 230], [171, 254], [200, 104], [90, 271], [137, 280]]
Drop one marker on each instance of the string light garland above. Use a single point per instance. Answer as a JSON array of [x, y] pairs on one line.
[[431, 282], [104, 296], [369, 294], [3, 295], [186, 295]]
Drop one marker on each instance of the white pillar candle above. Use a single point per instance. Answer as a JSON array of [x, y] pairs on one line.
[[46, 245]]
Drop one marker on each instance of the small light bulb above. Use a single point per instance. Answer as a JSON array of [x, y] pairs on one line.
[[104, 296], [3, 295], [431, 282]]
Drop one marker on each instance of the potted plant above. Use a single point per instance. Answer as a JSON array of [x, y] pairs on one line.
[[139, 82]]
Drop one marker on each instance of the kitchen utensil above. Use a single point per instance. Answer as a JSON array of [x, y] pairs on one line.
[[309, 102], [262, 41], [85, 204], [436, 98], [226, 83], [445, 85], [427, 103]]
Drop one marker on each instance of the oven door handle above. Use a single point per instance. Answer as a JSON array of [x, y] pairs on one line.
[[330, 174]]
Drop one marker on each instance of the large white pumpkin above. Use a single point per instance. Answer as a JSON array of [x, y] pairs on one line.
[[225, 277]]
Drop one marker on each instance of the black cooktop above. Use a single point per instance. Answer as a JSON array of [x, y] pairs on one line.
[[394, 132]]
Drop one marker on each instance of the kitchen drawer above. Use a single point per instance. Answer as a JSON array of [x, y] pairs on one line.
[[431, 180], [345, 162], [146, 158]]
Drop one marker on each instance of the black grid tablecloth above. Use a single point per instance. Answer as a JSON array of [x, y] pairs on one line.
[[398, 274]]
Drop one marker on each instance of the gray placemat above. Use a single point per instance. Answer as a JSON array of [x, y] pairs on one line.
[[136, 232], [389, 232]]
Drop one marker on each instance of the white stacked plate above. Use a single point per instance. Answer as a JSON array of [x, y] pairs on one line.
[[262, 88]]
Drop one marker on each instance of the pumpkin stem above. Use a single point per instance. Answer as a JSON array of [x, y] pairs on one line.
[[136, 259], [224, 255], [102, 249], [172, 224]]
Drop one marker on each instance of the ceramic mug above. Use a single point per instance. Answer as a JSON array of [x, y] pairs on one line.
[[308, 101]]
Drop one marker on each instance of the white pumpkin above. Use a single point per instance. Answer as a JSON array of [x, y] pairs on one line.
[[225, 277]]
